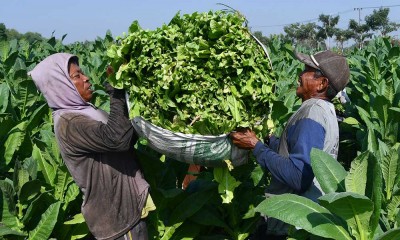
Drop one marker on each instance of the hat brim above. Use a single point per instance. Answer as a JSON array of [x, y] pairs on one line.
[[306, 59]]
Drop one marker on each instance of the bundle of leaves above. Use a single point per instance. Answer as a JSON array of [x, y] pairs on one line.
[[202, 73]]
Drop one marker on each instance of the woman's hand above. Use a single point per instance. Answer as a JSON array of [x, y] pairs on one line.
[[109, 71]]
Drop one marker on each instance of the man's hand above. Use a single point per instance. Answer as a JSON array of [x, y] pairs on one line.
[[267, 138], [244, 138]]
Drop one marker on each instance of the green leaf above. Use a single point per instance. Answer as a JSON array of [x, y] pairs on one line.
[[6, 123], [55, 157], [8, 212], [374, 67], [372, 141], [4, 97], [226, 183], [37, 116], [12, 56], [351, 121], [234, 107], [380, 110], [20, 176], [14, 140], [169, 231], [27, 96], [390, 165], [31, 166], [355, 209], [393, 208], [329, 172], [5, 231], [4, 50], [257, 174], [19, 69], [71, 193], [308, 215], [190, 206], [396, 109], [46, 224], [394, 53], [356, 179], [279, 109], [47, 169], [187, 231], [36, 208], [374, 190], [29, 191], [78, 231], [78, 218], [61, 182], [171, 193], [390, 235], [250, 213], [208, 217]]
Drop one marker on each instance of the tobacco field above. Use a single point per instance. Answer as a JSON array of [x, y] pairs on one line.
[[204, 73]]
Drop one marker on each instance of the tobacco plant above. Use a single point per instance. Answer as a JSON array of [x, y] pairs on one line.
[[201, 73]]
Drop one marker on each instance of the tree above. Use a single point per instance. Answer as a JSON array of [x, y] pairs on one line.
[[304, 34], [3, 35], [10, 34], [32, 36], [259, 36], [291, 31], [13, 34], [379, 21], [360, 32], [328, 29], [341, 36]]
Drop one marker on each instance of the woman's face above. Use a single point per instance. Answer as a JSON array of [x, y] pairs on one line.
[[81, 82]]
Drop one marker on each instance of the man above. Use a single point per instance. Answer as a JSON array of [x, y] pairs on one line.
[[97, 148], [313, 125]]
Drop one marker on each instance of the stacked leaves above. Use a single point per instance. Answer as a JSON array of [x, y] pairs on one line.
[[202, 73]]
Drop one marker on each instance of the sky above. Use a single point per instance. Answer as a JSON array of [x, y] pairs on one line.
[[87, 19]]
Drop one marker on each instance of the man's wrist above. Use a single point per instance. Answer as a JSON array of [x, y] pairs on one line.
[[254, 142]]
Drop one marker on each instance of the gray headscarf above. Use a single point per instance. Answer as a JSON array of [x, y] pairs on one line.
[[52, 78]]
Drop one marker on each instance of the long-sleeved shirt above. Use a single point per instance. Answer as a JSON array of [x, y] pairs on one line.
[[295, 171], [102, 161], [313, 125], [97, 149]]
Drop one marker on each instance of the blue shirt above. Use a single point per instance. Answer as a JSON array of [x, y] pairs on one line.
[[313, 125], [294, 171]]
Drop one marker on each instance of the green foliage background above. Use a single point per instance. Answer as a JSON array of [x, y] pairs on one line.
[[39, 199]]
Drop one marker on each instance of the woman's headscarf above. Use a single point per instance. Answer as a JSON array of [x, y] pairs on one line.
[[52, 78]]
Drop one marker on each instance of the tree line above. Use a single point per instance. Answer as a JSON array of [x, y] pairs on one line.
[[319, 35], [310, 35], [9, 34]]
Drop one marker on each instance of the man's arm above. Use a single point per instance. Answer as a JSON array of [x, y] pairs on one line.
[[273, 143], [295, 170]]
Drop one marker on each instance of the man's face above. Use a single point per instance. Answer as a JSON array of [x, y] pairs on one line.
[[309, 83], [81, 82]]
